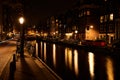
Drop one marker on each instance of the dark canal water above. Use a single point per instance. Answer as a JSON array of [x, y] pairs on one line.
[[78, 63]]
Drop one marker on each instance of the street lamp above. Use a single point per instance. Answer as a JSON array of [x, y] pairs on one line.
[[76, 31], [21, 21]]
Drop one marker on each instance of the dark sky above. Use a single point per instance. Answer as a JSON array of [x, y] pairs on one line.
[[40, 9]]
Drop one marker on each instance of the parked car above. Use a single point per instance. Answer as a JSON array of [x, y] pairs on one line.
[[100, 43]]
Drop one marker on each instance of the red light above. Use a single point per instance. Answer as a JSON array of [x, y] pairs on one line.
[[102, 43]]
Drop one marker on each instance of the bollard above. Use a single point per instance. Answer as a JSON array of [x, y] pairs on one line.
[[12, 68], [14, 61]]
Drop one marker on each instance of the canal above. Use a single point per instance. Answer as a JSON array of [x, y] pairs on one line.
[[79, 63]]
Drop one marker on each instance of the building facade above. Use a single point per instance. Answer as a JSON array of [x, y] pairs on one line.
[[90, 20], [109, 20]]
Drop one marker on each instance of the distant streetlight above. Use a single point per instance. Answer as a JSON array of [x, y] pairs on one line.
[[76, 31], [21, 21], [91, 26]]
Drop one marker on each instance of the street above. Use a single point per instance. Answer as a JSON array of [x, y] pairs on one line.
[[26, 68], [7, 49]]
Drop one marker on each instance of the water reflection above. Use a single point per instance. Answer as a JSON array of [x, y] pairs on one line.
[[41, 49], [71, 60], [44, 51], [91, 64], [68, 58], [36, 49], [109, 65], [54, 55], [76, 62]]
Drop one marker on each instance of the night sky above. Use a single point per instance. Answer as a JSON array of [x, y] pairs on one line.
[[39, 10]]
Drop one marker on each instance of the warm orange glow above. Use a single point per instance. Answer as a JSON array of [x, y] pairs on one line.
[[88, 12], [36, 49], [110, 71], [76, 62], [41, 49], [54, 55], [21, 20], [111, 16], [91, 64], [91, 34], [45, 52], [68, 57], [91, 26], [101, 19], [68, 35]]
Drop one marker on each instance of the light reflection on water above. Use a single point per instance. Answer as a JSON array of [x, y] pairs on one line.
[[54, 55], [44, 51], [41, 49], [36, 49], [76, 68], [79, 62], [91, 64], [110, 71], [68, 58], [71, 60]]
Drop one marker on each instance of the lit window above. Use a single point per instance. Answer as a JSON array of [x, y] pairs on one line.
[[101, 19], [88, 12], [111, 16], [56, 20], [106, 17]]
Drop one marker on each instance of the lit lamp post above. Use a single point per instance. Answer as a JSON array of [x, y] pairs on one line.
[[76, 31], [21, 21]]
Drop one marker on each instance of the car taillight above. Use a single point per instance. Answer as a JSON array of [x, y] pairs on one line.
[[102, 43]]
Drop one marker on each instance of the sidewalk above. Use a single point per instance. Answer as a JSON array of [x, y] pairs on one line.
[[29, 68]]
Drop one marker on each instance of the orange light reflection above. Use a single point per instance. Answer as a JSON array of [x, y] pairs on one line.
[[41, 49], [110, 71], [91, 64], [36, 49], [76, 62], [54, 55], [68, 58], [45, 52]]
